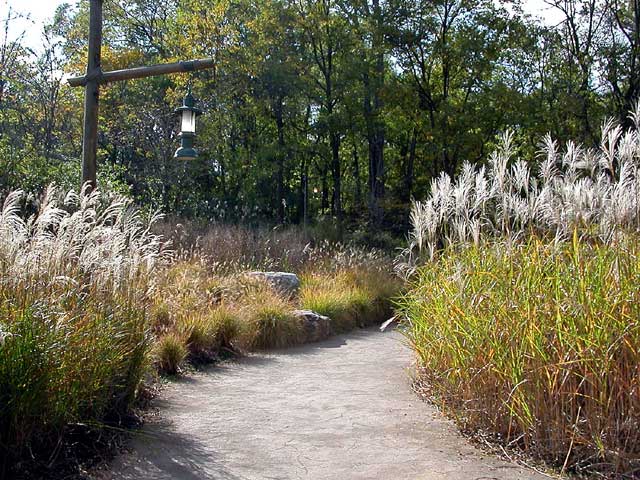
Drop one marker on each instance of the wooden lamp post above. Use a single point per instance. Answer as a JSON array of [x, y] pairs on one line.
[[96, 77]]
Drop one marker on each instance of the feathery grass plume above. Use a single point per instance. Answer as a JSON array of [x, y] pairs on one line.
[[596, 191], [75, 279]]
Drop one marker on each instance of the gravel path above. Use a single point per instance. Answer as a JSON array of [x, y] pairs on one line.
[[340, 409]]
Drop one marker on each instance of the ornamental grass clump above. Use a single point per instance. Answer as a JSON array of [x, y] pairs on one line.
[[523, 300], [351, 297], [538, 344], [75, 278], [171, 353]]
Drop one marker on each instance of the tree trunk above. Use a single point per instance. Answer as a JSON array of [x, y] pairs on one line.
[[356, 176], [375, 139], [303, 192], [324, 202], [280, 156], [336, 199], [375, 125], [407, 183]]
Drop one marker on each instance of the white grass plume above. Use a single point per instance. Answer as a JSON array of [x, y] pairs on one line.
[[594, 191], [101, 240]]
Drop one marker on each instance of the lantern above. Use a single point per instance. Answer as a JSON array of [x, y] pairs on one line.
[[188, 113]]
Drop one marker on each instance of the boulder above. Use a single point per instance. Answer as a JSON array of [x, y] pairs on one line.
[[286, 283], [316, 327]]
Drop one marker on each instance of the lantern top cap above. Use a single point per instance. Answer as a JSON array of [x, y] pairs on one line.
[[188, 103]]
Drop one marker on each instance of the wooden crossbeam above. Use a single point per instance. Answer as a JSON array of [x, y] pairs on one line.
[[141, 72]]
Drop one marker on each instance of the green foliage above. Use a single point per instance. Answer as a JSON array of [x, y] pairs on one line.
[[202, 336], [338, 109], [57, 371], [30, 172]]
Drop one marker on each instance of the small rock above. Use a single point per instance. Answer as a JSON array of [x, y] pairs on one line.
[[286, 283], [317, 327]]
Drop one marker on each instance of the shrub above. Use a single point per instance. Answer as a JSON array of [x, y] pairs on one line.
[[237, 312], [525, 316], [210, 330], [330, 296], [85, 310], [229, 327], [160, 316], [234, 248], [186, 287]]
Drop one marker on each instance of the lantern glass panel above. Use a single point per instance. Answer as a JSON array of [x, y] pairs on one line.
[[188, 121]]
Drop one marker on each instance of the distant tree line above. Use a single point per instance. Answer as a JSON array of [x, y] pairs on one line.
[[336, 109]]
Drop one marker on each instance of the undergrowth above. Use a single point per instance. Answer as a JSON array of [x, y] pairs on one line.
[[351, 298], [219, 313]]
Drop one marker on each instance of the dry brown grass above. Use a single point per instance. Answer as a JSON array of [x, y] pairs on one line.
[[222, 309], [234, 248]]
